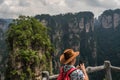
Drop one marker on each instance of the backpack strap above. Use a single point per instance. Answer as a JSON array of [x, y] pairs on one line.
[[70, 71], [61, 69]]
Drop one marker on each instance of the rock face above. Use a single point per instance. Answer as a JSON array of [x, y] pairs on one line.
[[4, 24], [3, 51], [96, 39], [3, 27], [108, 37], [70, 31], [116, 19], [110, 18]]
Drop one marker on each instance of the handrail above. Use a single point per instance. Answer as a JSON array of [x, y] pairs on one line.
[[94, 69], [117, 69], [106, 66]]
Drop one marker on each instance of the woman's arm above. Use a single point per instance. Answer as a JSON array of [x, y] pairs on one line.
[[84, 71]]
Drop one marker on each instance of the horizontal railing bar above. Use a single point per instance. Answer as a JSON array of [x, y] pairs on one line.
[[117, 69], [89, 69], [53, 76], [94, 69]]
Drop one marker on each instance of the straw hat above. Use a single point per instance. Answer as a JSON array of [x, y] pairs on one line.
[[68, 56]]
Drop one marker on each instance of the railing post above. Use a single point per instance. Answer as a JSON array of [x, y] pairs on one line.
[[45, 75], [107, 65]]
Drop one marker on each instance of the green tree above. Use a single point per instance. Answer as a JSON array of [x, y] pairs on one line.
[[29, 49]]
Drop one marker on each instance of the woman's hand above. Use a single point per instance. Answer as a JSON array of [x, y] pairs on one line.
[[82, 67], [78, 67]]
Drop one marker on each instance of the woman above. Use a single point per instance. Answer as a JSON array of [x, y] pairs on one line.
[[68, 58]]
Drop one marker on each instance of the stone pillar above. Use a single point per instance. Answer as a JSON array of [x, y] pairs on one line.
[[107, 65]]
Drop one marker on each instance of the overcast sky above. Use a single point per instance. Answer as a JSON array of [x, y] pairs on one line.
[[14, 8]]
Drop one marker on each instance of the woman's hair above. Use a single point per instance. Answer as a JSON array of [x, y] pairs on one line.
[[71, 61]]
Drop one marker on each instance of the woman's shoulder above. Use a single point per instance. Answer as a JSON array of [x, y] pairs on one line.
[[77, 75], [68, 67], [77, 72]]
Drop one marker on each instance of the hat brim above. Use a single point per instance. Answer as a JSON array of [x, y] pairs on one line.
[[63, 61]]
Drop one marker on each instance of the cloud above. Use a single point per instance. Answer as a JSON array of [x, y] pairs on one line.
[[94, 3], [102, 3], [1, 1], [14, 8], [95, 6], [10, 8], [24, 3]]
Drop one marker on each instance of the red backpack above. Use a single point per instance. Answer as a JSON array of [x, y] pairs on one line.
[[65, 75]]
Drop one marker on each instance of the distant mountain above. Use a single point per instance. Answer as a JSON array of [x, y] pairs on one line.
[[71, 31], [3, 48], [96, 39], [107, 34], [108, 37]]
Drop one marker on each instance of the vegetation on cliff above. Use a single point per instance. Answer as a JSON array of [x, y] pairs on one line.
[[30, 49]]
